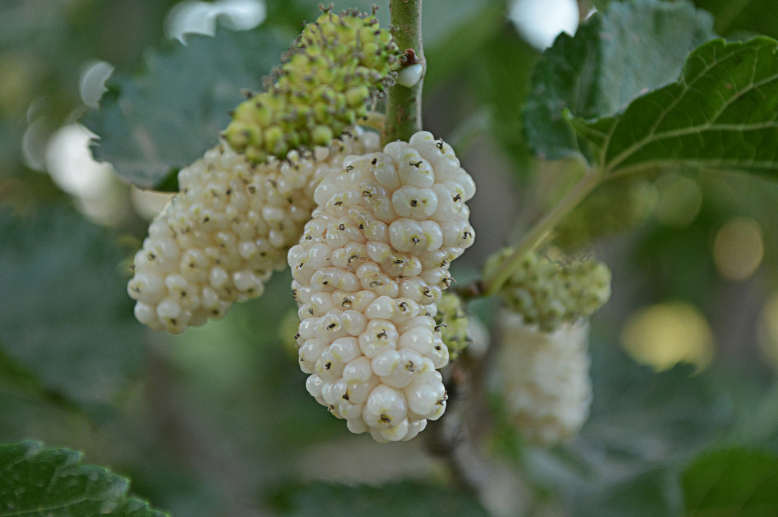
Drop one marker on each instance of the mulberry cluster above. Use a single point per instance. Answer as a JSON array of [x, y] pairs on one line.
[[222, 236], [615, 206], [321, 90], [369, 270], [546, 383], [549, 293], [454, 324]]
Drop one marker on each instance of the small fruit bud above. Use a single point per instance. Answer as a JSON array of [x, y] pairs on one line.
[[410, 75]]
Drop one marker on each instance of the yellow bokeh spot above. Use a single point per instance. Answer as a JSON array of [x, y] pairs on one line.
[[665, 334], [768, 329], [738, 249]]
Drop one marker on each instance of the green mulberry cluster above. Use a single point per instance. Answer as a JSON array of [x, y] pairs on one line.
[[549, 293], [321, 89], [453, 323], [614, 207]]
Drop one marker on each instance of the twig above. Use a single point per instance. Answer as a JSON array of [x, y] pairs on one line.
[[403, 111]]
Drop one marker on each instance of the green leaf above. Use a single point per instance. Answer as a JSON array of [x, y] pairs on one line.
[[651, 494], [720, 114], [405, 498], [64, 314], [635, 47], [152, 124], [633, 406], [760, 16], [732, 483], [54, 483]]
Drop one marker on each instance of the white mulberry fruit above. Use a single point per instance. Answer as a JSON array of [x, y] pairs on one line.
[[546, 383], [230, 226], [368, 272]]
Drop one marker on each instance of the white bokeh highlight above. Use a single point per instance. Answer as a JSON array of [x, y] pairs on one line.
[[98, 194], [91, 82], [195, 17], [541, 21]]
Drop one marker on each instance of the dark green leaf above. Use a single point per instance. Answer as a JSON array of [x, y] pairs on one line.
[[760, 16], [406, 498], [45, 46], [54, 483], [652, 494], [157, 122], [64, 314], [635, 47], [633, 406], [732, 483], [720, 114]]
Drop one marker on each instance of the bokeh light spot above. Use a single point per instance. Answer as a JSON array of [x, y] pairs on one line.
[[738, 249], [195, 17], [680, 200], [665, 334], [98, 193], [91, 82], [541, 21]]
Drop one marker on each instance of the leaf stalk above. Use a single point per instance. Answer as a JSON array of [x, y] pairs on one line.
[[491, 285]]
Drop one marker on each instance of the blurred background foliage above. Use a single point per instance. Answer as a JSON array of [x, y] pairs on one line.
[[217, 421]]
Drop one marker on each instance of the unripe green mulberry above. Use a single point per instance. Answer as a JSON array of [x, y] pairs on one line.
[[320, 91], [454, 324], [548, 293], [615, 206]]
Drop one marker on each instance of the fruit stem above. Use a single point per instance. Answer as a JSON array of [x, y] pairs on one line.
[[403, 111], [540, 231]]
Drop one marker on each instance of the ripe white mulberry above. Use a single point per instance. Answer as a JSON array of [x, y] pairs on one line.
[[368, 272], [222, 236], [546, 383]]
